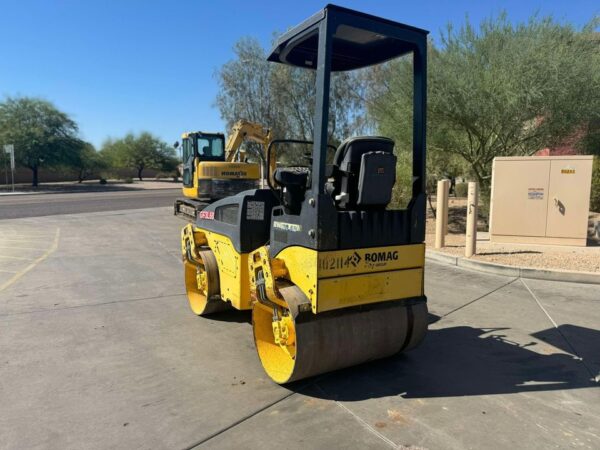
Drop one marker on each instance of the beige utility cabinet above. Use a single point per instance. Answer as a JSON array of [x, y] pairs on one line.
[[541, 199]]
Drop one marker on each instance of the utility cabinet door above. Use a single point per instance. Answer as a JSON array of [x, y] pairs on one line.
[[569, 199], [520, 194]]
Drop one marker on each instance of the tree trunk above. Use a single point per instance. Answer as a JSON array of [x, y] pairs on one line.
[[140, 169], [34, 178], [484, 197]]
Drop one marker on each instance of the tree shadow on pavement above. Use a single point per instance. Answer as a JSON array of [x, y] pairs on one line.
[[460, 361]]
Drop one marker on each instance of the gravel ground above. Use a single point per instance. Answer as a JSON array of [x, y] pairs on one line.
[[583, 259]]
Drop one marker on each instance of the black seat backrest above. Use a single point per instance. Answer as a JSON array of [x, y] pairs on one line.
[[364, 172], [293, 182]]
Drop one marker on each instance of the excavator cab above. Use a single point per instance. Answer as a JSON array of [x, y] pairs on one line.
[[212, 169], [335, 276], [198, 147]]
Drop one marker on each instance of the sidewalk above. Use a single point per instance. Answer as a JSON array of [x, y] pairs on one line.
[[555, 257], [547, 257]]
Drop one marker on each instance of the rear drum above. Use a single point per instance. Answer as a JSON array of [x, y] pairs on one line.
[[309, 344]]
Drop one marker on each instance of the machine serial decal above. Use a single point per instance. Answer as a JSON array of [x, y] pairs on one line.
[[287, 226], [209, 215], [339, 262]]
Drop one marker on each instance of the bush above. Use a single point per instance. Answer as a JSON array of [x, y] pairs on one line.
[[595, 197], [128, 180], [461, 189], [102, 181], [402, 192]]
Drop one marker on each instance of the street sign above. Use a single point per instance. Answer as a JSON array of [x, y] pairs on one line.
[[10, 148]]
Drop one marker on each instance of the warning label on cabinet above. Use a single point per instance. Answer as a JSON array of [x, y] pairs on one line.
[[535, 193]]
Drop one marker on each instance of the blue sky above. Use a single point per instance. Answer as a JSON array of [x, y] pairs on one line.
[[130, 65]]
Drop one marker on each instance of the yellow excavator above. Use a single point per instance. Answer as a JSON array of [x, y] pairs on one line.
[[213, 170], [333, 276]]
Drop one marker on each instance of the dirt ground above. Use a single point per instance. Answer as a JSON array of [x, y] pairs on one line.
[[584, 259]]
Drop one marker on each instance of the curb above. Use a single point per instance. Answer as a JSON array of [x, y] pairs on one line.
[[512, 271]]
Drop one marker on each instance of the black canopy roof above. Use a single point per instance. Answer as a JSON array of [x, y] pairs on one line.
[[359, 40]]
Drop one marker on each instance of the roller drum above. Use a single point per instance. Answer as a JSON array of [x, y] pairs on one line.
[[334, 340]]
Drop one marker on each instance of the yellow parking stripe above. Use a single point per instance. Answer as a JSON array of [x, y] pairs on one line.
[[19, 248], [24, 239], [16, 257], [19, 274]]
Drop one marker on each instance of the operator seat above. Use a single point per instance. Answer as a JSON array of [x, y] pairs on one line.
[[364, 173], [293, 181]]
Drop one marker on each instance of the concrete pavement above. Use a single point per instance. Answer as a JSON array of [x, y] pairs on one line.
[[98, 349]]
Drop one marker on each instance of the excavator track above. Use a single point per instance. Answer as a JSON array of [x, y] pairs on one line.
[[292, 348]]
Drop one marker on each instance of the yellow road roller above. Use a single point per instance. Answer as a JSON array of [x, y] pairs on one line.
[[332, 275]]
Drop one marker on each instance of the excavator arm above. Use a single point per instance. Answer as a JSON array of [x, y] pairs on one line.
[[244, 130]]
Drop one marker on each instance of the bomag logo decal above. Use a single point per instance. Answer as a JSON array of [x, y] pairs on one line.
[[368, 260], [377, 257], [355, 259]]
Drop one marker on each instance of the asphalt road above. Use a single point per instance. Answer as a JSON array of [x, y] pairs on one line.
[[98, 349], [36, 205]]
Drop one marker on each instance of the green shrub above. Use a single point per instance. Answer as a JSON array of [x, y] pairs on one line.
[[402, 191], [102, 181], [461, 189], [595, 197], [128, 180]]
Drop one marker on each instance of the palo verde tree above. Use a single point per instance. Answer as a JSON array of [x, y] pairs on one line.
[[42, 135], [282, 98], [500, 90], [140, 152], [88, 162]]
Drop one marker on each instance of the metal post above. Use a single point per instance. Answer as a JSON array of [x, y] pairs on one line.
[[441, 214], [447, 207], [12, 165], [471, 233], [5, 171]]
